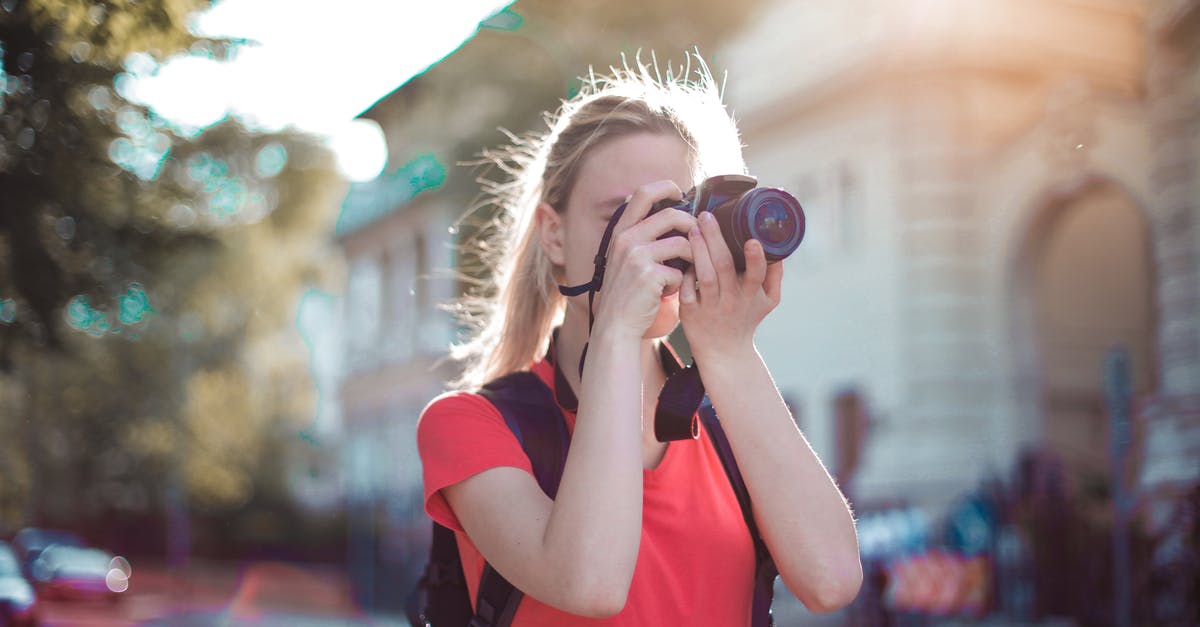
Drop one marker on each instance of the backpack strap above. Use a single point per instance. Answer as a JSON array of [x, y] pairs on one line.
[[764, 567], [440, 597], [532, 414]]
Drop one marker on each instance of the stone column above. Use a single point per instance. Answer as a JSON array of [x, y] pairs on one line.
[[1173, 98], [1172, 421], [943, 426]]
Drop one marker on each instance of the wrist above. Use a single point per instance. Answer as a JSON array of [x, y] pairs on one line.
[[727, 361], [614, 335]]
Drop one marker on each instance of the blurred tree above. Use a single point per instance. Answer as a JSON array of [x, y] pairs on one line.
[[148, 280], [85, 205]]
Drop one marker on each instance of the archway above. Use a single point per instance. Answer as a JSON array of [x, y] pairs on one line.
[[1087, 277]]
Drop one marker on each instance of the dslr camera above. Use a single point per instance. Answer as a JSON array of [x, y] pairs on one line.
[[744, 211]]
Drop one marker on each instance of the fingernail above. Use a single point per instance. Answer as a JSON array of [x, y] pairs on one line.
[[695, 232], [707, 215]]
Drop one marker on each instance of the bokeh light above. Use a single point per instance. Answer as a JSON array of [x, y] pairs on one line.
[[270, 160], [229, 198], [144, 147], [360, 149], [133, 307], [116, 580]]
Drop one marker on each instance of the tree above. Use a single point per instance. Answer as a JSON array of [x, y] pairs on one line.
[[148, 279], [85, 203]]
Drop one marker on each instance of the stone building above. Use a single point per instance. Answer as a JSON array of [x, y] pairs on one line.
[[395, 341], [997, 193]]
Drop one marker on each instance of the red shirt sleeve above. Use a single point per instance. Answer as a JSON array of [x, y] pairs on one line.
[[461, 435]]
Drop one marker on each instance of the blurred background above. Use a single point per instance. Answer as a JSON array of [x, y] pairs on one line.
[[228, 231]]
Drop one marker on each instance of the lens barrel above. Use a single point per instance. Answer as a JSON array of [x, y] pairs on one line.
[[768, 214]]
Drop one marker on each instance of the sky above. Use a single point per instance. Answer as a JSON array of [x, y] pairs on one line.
[[312, 66]]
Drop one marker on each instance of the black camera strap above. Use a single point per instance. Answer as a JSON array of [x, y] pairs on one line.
[[680, 398], [593, 286]]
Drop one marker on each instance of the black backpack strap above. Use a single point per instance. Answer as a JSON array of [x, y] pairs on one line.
[[531, 413], [441, 596], [764, 567]]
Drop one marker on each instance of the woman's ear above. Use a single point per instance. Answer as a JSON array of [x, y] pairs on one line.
[[551, 233]]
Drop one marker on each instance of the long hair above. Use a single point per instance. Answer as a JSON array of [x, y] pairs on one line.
[[512, 317]]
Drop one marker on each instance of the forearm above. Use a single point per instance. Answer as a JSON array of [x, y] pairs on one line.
[[803, 517], [595, 523]]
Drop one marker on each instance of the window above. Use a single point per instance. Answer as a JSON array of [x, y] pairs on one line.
[[847, 221], [363, 303], [851, 420]]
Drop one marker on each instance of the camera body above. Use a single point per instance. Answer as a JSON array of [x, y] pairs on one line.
[[744, 211]]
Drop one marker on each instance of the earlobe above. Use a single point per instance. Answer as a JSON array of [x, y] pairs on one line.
[[550, 232]]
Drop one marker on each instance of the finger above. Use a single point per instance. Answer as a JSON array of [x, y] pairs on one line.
[[640, 202], [660, 224], [661, 250], [756, 265], [718, 252], [671, 280], [773, 285], [687, 289], [706, 277]]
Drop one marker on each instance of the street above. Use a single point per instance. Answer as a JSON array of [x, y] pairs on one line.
[[266, 593]]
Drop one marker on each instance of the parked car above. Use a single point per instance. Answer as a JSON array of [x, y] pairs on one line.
[[31, 541], [73, 572], [18, 602]]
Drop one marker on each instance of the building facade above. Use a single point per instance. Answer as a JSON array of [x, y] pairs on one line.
[[998, 193], [396, 339]]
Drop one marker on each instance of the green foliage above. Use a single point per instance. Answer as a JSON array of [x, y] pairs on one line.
[[148, 281], [87, 175], [104, 33]]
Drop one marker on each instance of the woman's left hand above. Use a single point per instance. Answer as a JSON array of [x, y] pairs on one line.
[[720, 309]]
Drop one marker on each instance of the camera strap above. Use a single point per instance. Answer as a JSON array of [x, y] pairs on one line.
[[680, 398], [593, 286]]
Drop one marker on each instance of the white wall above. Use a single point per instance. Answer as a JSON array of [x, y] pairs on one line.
[[837, 324]]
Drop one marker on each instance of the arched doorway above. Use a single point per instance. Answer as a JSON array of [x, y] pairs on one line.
[[1088, 280]]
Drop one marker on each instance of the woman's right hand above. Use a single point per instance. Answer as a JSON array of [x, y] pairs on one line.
[[635, 277]]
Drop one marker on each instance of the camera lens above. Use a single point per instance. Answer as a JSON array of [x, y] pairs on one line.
[[773, 224], [774, 218]]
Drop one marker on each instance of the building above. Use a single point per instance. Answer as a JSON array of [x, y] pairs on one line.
[[396, 338], [997, 193]]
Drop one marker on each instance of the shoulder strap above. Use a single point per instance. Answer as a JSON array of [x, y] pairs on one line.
[[764, 567], [440, 597], [531, 413]]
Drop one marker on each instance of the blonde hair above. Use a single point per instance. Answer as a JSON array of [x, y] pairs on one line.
[[512, 316]]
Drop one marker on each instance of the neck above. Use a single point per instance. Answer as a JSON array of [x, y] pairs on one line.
[[573, 336]]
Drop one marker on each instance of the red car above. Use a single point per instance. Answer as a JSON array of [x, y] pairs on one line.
[[72, 572]]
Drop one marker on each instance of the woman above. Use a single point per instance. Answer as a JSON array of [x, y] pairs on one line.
[[640, 532]]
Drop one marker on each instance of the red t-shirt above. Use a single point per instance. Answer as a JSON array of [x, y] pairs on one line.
[[695, 564]]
